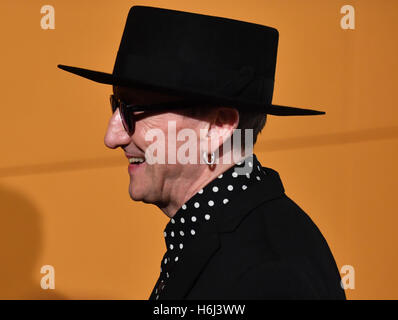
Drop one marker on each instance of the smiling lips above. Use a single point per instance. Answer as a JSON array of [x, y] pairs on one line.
[[135, 163], [136, 160]]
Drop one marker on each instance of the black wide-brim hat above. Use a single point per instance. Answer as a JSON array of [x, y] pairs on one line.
[[218, 60]]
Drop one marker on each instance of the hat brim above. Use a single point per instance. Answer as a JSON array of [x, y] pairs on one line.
[[110, 79]]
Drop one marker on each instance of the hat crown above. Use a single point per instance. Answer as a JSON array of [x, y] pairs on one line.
[[203, 53]]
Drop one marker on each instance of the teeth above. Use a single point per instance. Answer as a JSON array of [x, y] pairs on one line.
[[136, 160]]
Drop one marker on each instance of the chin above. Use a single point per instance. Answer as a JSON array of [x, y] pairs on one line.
[[135, 195], [141, 195]]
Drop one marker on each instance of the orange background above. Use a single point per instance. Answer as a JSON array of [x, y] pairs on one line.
[[64, 197]]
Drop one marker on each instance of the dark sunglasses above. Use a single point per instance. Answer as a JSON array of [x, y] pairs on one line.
[[127, 110]]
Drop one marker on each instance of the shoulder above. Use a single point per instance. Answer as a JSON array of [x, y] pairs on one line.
[[288, 224]]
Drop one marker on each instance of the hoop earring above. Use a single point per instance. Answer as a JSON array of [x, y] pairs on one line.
[[206, 158]]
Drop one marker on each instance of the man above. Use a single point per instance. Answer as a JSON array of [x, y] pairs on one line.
[[233, 232]]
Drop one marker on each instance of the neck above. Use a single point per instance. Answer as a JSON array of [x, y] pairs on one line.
[[190, 184]]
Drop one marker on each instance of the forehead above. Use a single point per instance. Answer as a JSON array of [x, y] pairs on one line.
[[144, 96]]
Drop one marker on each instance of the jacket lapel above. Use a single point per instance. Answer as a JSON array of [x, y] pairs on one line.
[[207, 241]]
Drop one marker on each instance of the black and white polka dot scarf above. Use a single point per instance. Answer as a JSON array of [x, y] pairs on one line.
[[200, 209]]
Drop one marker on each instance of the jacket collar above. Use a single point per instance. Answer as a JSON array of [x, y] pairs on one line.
[[207, 242]]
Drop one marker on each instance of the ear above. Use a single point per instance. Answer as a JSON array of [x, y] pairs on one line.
[[222, 123]]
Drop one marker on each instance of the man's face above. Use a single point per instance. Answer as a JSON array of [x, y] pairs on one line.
[[151, 183]]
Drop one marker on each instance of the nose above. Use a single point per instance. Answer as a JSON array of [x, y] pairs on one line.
[[116, 135]]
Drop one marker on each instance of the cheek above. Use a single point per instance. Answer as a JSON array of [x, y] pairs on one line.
[[167, 127], [149, 127], [139, 135]]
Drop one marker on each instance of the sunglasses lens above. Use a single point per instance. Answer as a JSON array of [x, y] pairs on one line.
[[124, 114], [114, 103], [126, 118]]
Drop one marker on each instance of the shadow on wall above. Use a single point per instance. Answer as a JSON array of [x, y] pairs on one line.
[[20, 246]]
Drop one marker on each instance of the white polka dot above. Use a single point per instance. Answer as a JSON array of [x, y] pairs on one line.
[[200, 191], [165, 234], [182, 220], [215, 189], [211, 203], [184, 207], [244, 187], [173, 221], [220, 176], [167, 274], [234, 174], [157, 297], [248, 175], [193, 218], [196, 205], [230, 188], [165, 260], [181, 246], [182, 233], [250, 164], [192, 231], [225, 201], [207, 216], [239, 163], [171, 247], [176, 259], [258, 167], [172, 233], [258, 178]]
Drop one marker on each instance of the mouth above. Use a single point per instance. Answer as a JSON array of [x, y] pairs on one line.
[[136, 160], [135, 163]]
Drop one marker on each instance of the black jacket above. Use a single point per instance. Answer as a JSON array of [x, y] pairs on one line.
[[265, 248]]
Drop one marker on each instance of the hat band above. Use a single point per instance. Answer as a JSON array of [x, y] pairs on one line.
[[162, 71]]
